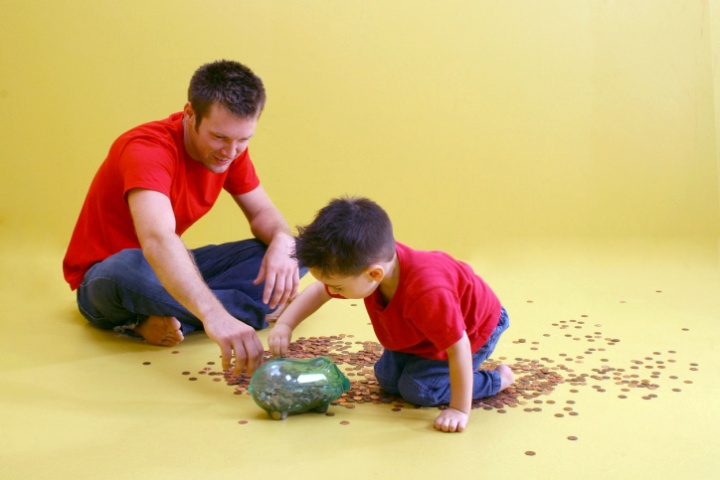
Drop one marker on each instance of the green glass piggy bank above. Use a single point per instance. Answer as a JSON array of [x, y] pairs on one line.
[[284, 386]]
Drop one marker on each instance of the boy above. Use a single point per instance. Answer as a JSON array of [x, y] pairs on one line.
[[437, 320]]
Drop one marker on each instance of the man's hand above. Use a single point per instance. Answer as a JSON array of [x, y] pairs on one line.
[[451, 420], [279, 340], [236, 340], [279, 271]]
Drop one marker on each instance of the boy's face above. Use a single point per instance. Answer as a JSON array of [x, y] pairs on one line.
[[360, 286]]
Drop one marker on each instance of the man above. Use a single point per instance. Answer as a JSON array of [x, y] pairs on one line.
[[132, 271]]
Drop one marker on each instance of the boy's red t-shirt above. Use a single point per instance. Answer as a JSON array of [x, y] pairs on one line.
[[437, 299], [151, 156]]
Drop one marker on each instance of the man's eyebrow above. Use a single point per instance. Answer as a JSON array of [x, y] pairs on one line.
[[220, 134]]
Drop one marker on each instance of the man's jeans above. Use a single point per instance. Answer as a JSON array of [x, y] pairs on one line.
[[426, 382], [123, 290]]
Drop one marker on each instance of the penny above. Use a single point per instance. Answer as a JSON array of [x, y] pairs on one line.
[[344, 422], [146, 363], [329, 414], [572, 437], [530, 453], [242, 422]]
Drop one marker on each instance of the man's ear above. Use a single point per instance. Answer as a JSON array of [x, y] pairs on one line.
[[188, 110], [376, 272]]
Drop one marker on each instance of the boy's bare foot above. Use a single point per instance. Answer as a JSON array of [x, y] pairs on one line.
[[159, 330], [506, 376]]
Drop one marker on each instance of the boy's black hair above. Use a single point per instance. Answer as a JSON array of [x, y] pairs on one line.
[[346, 237], [229, 83]]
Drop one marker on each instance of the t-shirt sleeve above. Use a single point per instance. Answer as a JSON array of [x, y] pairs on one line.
[[242, 177], [146, 165], [333, 295], [436, 313]]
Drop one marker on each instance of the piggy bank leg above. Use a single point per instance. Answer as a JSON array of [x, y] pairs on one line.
[[276, 415], [322, 408]]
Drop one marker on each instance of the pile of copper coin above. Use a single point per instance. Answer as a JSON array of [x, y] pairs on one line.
[[536, 379]]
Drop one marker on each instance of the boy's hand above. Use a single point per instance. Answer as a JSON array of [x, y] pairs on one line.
[[279, 339], [451, 420]]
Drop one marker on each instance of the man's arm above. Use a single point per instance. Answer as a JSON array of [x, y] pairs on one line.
[[172, 263], [279, 270], [455, 417]]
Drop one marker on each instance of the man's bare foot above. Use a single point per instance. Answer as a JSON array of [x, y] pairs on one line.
[[506, 376], [272, 317], [159, 330]]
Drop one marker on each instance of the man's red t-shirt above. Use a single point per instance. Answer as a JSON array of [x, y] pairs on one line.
[[151, 156]]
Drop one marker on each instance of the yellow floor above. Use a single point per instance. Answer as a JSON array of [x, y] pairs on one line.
[[80, 403]]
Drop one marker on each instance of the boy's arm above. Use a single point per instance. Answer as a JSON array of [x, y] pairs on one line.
[[305, 304], [455, 417]]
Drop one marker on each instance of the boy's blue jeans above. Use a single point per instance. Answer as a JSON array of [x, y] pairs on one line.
[[122, 290], [426, 382]]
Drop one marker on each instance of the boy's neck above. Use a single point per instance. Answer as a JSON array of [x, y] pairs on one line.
[[389, 283]]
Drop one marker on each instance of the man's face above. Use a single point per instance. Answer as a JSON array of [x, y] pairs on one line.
[[221, 138], [361, 286]]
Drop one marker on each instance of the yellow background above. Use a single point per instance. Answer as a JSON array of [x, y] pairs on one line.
[[495, 130], [515, 118]]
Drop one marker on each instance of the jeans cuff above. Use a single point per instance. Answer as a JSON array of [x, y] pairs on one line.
[[128, 330]]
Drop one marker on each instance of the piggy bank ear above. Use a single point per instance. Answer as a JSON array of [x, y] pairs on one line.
[[315, 362]]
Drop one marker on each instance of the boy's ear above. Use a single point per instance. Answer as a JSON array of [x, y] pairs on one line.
[[376, 272]]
